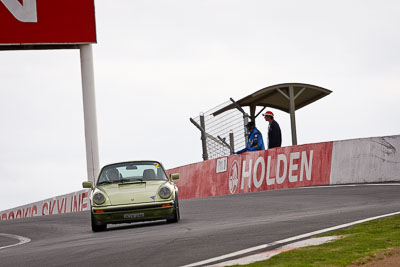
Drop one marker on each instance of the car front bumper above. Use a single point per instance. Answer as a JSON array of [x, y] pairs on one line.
[[134, 213]]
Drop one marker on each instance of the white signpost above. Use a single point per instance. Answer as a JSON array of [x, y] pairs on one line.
[[89, 111]]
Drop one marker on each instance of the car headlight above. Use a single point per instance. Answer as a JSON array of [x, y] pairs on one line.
[[165, 192], [99, 198]]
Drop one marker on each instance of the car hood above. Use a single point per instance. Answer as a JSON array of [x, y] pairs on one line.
[[128, 193]]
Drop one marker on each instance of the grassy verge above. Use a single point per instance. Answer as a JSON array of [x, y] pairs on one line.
[[360, 243]]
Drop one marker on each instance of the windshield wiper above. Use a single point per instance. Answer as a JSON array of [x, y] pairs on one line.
[[136, 181], [104, 182]]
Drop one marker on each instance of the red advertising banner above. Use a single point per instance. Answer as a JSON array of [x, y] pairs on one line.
[[25, 22], [278, 168], [74, 202]]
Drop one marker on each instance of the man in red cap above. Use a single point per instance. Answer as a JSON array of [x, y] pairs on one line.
[[274, 131]]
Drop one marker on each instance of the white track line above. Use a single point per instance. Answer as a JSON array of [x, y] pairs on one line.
[[22, 240], [290, 239], [343, 185]]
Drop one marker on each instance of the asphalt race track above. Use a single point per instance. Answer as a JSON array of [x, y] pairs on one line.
[[210, 227]]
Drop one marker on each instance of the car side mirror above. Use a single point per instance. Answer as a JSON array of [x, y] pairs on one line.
[[174, 176], [87, 184]]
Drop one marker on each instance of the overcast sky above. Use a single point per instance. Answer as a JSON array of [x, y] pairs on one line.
[[158, 63]]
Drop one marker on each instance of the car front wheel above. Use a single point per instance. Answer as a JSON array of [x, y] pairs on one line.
[[98, 226], [176, 215]]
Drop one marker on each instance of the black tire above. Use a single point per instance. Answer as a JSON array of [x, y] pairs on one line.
[[98, 226], [176, 214]]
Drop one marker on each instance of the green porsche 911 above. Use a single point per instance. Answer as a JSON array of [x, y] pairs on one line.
[[133, 191]]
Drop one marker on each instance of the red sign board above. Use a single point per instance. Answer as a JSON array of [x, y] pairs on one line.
[[26, 22], [277, 168]]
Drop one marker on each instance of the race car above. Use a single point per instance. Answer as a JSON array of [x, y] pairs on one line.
[[133, 191]]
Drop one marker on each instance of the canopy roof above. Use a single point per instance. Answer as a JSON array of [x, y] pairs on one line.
[[287, 97], [278, 96]]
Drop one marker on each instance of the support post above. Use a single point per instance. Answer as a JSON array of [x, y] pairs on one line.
[[246, 133], [203, 138], [232, 142], [292, 115], [89, 111], [253, 113]]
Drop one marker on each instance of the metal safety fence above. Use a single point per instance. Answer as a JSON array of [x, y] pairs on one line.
[[223, 134]]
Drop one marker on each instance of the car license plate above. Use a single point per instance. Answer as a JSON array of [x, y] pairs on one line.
[[134, 215]]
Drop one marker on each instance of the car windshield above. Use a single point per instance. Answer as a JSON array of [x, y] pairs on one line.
[[132, 172]]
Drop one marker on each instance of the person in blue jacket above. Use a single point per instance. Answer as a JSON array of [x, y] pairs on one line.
[[255, 141]]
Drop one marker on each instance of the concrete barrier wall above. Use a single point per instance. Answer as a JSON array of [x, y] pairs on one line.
[[367, 160], [277, 168], [73, 202]]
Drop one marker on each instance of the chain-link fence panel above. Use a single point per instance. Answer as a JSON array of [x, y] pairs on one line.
[[231, 121]]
